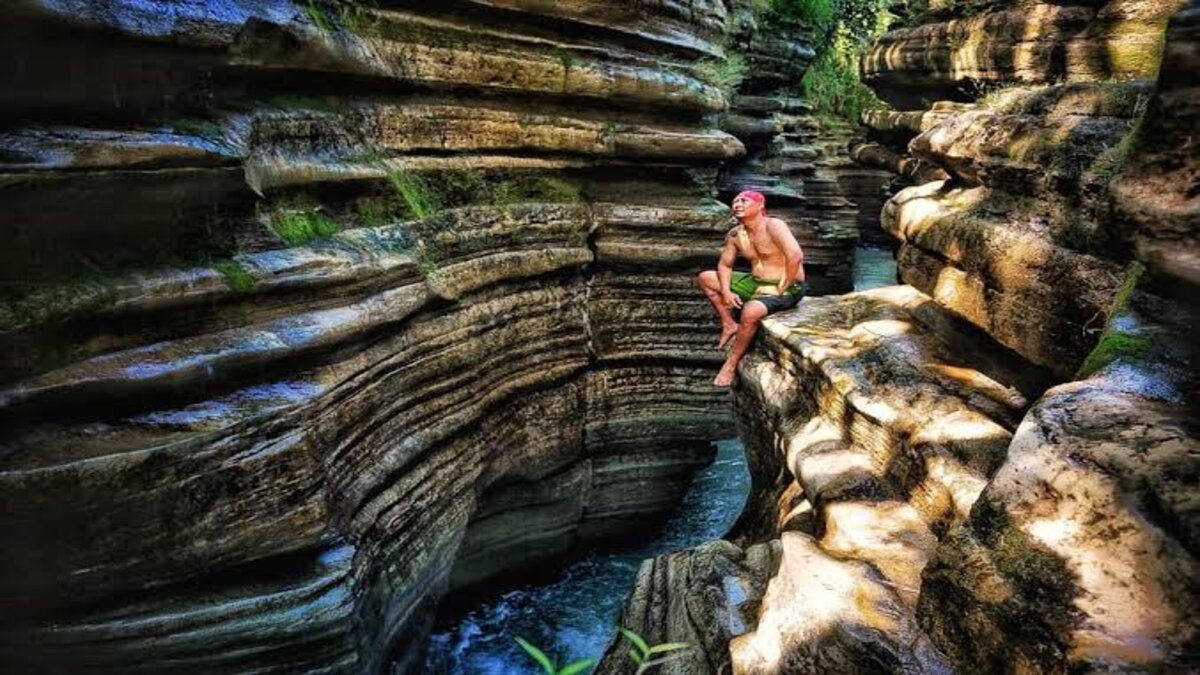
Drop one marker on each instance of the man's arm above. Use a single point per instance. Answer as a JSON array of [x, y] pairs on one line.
[[725, 272], [793, 269]]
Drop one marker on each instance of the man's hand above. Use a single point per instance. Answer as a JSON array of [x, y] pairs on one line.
[[732, 300], [780, 290]]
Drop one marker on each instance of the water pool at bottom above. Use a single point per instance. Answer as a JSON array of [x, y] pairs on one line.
[[574, 615]]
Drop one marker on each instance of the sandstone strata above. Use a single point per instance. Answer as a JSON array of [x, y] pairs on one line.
[[337, 309], [935, 510], [1080, 554], [1154, 192], [872, 422], [940, 56]]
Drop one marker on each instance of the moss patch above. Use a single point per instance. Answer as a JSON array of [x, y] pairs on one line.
[[299, 221], [236, 277], [1120, 345], [24, 307], [725, 74]]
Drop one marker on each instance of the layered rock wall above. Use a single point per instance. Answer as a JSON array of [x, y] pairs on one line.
[[926, 507], [316, 311], [1025, 234]]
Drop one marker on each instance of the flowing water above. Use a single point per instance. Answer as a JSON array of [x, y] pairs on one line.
[[573, 616]]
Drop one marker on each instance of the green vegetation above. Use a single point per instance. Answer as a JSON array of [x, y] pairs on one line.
[[22, 306], [1108, 163], [842, 31], [236, 276], [832, 84], [820, 15], [355, 16], [548, 665], [1045, 587], [420, 196], [1116, 345], [422, 200], [415, 193], [316, 14], [1129, 347], [643, 653], [724, 74], [299, 221], [197, 126], [646, 656]]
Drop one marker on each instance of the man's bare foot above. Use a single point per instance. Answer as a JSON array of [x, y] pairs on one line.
[[727, 334], [725, 377]]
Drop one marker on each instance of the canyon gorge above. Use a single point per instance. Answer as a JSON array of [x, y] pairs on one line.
[[317, 313]]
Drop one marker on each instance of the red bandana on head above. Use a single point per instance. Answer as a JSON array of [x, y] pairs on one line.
[[754, 196]]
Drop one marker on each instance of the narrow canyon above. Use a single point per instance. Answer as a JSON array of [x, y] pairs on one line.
[[318, 312]]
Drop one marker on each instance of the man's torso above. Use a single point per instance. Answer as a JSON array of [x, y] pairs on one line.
[[767, 259]]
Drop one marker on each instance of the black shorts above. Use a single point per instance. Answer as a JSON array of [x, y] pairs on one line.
[[779, 303]]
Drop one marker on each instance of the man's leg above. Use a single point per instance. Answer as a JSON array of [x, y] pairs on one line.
[[752, 315], [711, 285]]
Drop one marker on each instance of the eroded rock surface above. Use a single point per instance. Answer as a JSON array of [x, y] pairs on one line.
[[315, 312], [941, 56], [1081, 553], [872, 421]]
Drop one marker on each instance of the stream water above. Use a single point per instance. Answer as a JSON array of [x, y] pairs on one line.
[[573, 615]]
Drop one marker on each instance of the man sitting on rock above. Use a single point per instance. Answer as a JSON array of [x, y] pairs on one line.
[[775, 282]]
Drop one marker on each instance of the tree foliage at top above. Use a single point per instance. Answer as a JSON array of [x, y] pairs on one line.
[[841, 31]]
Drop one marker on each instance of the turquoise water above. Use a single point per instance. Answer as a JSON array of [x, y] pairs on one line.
[[873, 267], [576, 612]]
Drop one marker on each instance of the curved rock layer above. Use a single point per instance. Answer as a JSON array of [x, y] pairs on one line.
[[1081, 555], [938, 56], [926, 506], [1024, 216], [872, 421], [321, 311], [909, 515]]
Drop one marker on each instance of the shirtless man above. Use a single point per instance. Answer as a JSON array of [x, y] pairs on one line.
[[775, 283]]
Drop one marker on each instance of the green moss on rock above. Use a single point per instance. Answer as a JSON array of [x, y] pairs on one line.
[[237, 278], [300, 221], [1117, 344]]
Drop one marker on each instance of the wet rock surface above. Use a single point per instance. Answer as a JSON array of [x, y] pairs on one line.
[[314, 312], [1081, 551], [872, 421]]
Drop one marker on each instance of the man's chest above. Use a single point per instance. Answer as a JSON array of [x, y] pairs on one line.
[[756, 245]]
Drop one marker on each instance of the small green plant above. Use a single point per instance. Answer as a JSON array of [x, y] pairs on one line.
[[566, 58], [236, 277], [299, 221], [318, 17], [725, 74], [548, 665], [643, 652], [357, 17], [415, 193], [608, 133]]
